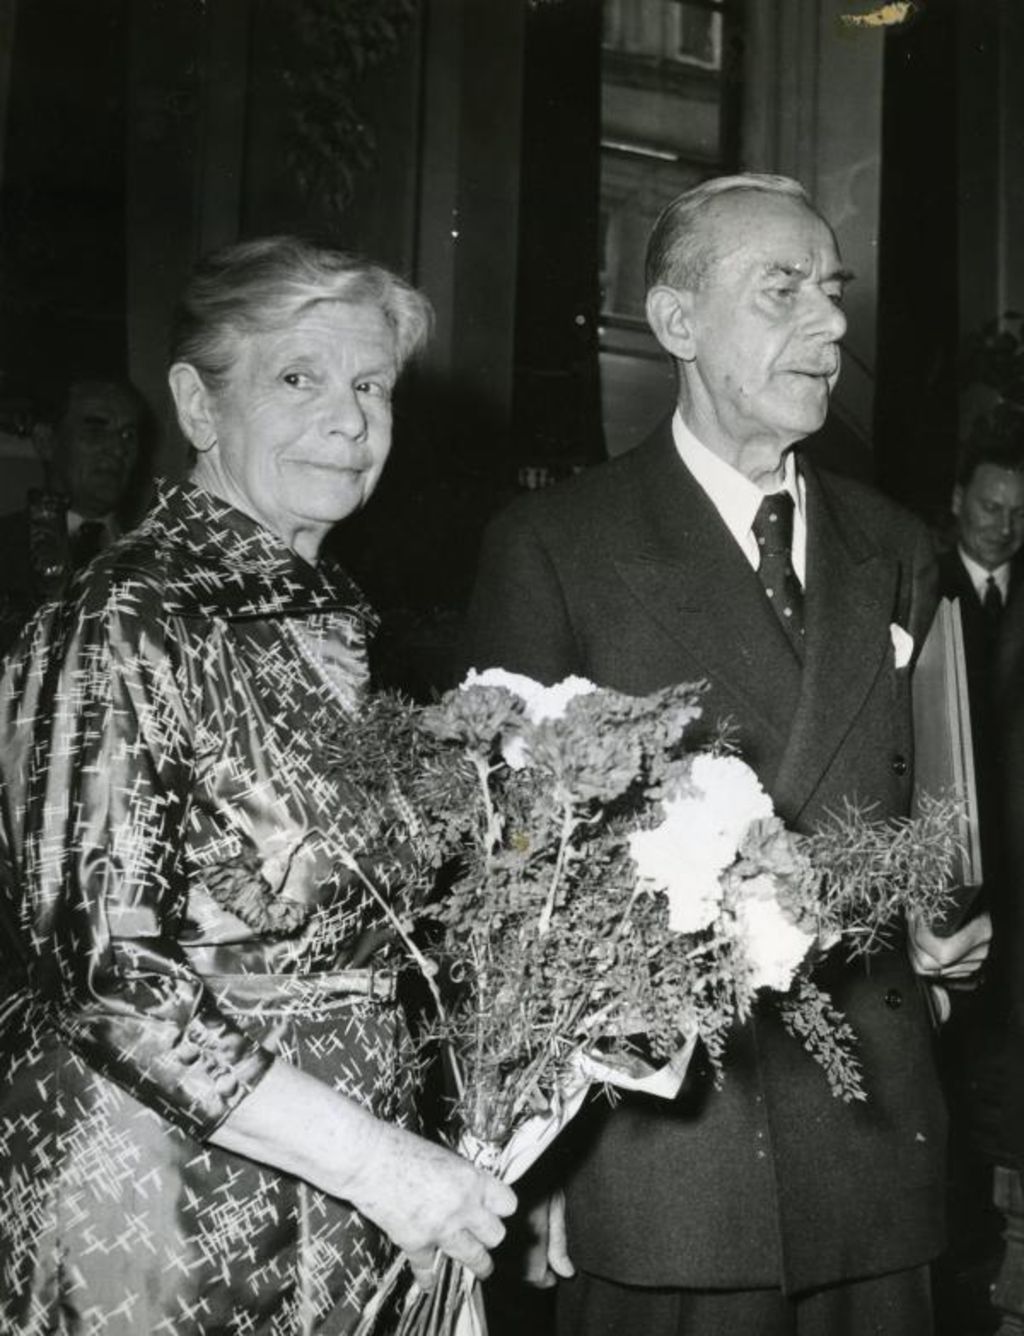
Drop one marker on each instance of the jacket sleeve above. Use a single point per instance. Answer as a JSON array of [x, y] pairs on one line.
[[518, 617], [96, 738]]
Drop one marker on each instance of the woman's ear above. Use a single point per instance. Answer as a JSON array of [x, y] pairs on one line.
[[194, 406], [670, 316]]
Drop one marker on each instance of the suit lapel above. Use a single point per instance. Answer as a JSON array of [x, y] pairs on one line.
[[849, 602], [687, 572]]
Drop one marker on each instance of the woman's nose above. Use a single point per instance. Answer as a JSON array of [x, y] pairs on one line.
[[345, 414]]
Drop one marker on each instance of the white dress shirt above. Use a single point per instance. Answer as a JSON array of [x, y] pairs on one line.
[[737, 499], [979, 575]]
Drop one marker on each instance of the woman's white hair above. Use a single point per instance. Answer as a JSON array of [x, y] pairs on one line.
[[253, 287]]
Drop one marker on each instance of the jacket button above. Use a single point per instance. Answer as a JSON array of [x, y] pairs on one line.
[[893, 999], [898, 764]]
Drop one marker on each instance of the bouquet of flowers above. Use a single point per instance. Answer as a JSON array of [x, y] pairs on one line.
[[619, 895]]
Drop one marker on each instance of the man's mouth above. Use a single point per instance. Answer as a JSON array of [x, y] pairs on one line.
[[814, 373]]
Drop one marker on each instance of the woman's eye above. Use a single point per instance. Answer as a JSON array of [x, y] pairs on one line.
[[783, 294], [298, 380], [373, 388]]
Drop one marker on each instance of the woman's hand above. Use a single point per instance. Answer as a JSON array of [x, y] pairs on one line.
[[429, 1200], [425, 1198]]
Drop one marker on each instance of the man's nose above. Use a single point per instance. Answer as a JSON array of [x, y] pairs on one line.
[[828, 319]]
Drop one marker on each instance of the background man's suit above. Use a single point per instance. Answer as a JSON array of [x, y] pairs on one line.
[[628, 576]]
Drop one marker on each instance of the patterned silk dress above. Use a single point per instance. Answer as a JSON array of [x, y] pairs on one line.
[[173, 913]]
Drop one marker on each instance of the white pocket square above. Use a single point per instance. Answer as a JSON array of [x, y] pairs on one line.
[[902, 645]]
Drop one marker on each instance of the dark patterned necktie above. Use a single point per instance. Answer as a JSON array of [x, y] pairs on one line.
[[773, 529], [992, 602]]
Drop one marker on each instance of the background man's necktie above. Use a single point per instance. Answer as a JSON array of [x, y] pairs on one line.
[[773, 529], [992, 601]]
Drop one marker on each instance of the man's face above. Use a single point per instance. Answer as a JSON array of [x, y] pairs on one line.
[[303, 425], [990, 514], [96, 447], [766, 323]]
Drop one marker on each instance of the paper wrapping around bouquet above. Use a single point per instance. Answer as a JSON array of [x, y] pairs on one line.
[[943, 748], [509, 1162], [532, 1137]]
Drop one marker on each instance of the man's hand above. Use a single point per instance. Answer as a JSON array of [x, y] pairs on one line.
[[547, 1257], [953, 959]]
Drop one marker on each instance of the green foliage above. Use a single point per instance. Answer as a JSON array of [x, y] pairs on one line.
[[549, 941]]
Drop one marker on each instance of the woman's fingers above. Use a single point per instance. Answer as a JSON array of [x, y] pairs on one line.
[[424, 1262], [499, 1197], [466, 1248], [425, 1197]]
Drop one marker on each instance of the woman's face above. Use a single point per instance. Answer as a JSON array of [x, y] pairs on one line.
[[303, 424]]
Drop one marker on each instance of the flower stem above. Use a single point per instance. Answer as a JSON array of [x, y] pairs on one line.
[[569, 825]]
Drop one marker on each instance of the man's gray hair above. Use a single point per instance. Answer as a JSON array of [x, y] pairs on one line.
[[681, 248]]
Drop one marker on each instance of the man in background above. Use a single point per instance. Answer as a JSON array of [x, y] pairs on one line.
[[91, 457], [982, 570]]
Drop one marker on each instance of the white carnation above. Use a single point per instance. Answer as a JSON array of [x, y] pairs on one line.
[[541, 702], [732, 796], [772, 943], [699, 838]]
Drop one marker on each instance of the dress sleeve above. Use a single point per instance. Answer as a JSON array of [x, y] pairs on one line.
[[96, 737]]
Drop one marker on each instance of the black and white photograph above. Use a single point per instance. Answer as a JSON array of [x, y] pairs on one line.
[[511, 668]]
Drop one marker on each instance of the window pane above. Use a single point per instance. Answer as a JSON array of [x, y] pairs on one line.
[[696, 36], [633, 192]]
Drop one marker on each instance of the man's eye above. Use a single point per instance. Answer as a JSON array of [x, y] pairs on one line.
[[298, 380], [784, 294], [373, 388], [836, 298]]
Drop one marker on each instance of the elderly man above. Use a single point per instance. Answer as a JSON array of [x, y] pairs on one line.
[[710, 552], [91, 457]]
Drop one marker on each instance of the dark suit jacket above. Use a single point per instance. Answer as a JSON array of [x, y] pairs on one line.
[[628, 576], [979, 646], [1009, 695], [22, 588]]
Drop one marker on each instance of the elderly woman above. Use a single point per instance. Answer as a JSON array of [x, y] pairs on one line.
[[204, 1073]]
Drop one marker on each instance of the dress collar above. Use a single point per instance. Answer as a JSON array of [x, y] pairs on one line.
[[220, 562]]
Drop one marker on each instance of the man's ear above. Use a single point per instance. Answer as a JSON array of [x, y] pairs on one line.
[[957, 502], [194, 406], [670, 316]]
